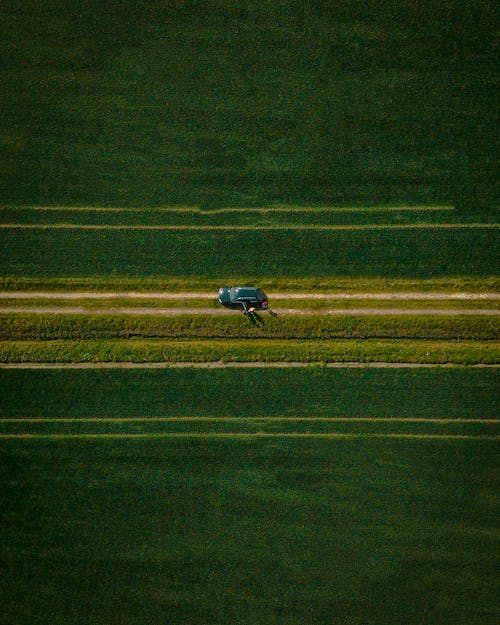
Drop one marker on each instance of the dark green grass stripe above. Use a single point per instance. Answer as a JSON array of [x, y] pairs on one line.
[[230, 435], [242, 419], [222, 255], [312, 391]]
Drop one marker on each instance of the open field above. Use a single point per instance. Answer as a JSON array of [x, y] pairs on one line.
[[192, 530], [222, 104], [364, 494], [337, 465]]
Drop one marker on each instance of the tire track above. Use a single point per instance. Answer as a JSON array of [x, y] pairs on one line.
[[412, 295], [141, 310]]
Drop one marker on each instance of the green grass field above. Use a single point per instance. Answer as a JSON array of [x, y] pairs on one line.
[[233, 104], [456, 393], [343, 147], [354, 520], [428, 253], [242, 530]]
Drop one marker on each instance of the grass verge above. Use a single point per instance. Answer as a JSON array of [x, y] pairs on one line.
[[325, 284], [29, 326], [248, 350]]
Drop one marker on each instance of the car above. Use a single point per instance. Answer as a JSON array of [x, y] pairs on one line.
[[245, 298]]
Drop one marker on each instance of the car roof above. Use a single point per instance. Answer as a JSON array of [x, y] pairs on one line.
[[244, 291]]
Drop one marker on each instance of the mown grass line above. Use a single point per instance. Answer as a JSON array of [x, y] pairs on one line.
[[31, 326], [472, 427], [222, 255], [234, 216], [247, 350], [256, 217]]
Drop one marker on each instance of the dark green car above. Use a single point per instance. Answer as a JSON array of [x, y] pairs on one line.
[[245, 298]]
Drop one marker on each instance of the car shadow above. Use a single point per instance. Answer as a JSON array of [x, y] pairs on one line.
[[255, 319]]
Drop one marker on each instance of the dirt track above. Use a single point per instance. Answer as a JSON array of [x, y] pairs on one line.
[[141, 310], [72, 295]]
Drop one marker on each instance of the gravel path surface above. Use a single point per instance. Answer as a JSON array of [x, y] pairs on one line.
[[72, 295], [141, 310]]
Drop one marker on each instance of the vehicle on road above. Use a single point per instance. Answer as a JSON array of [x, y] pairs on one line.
[[245, 298]]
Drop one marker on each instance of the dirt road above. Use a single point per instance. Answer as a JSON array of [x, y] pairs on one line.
[[141, 310], [74, 295]]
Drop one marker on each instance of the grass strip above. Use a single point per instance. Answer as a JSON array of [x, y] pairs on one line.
[[210, 255], [472, 427], [312, 391], [325, 284], [141, 350], [28, 326]]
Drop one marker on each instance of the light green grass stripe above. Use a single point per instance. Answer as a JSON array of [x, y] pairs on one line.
[[249, 435], [423, 226], [258, 210]]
